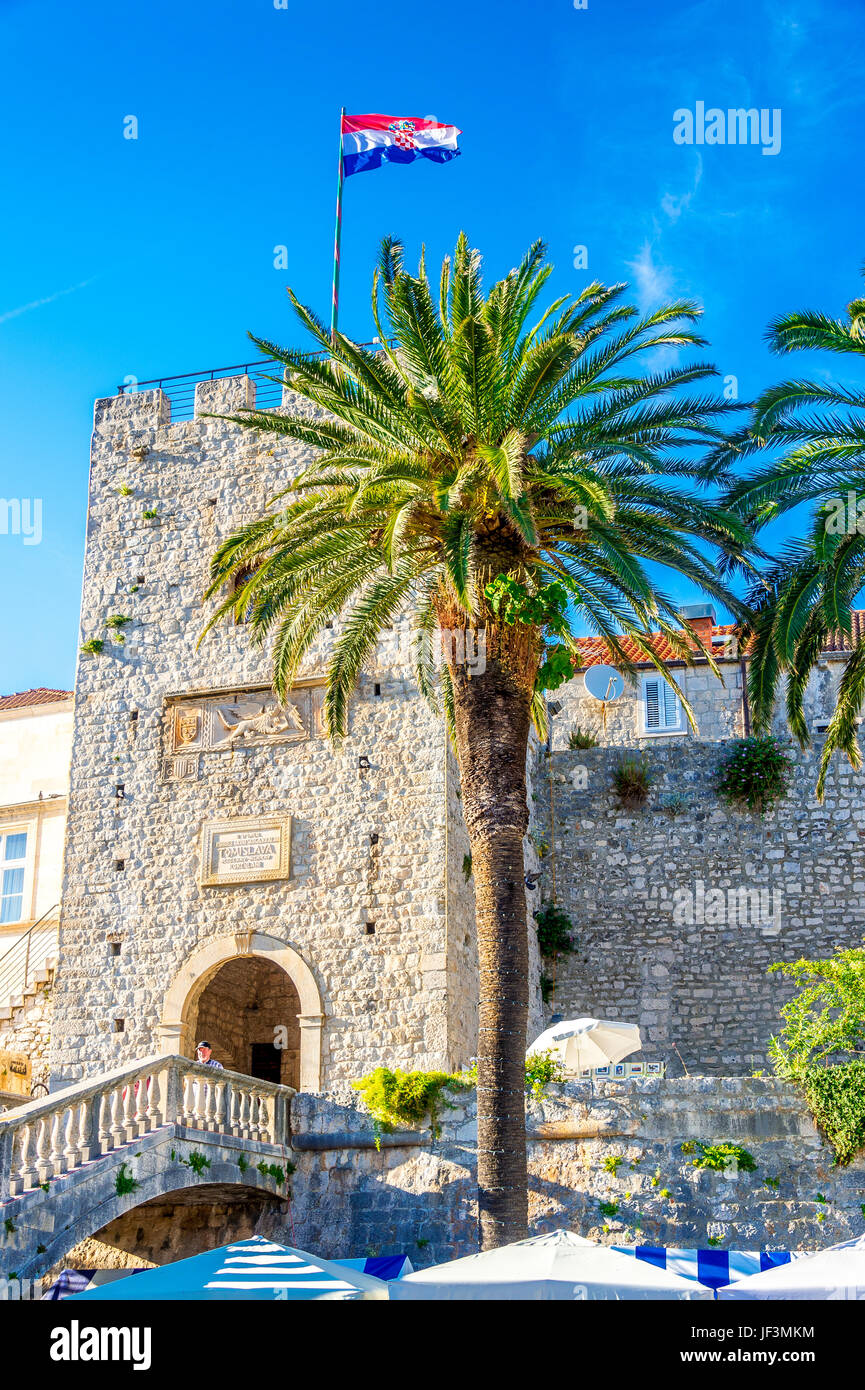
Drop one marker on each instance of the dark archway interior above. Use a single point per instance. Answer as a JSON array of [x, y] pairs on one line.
[[248, 1013]]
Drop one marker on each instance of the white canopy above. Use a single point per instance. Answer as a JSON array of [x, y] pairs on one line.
[[836, 1273], [579, 1043], [560, 1265]]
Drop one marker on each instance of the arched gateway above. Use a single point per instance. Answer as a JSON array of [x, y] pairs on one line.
[[240, 989]]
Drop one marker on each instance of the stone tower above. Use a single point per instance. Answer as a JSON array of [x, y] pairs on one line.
[[228, 873]]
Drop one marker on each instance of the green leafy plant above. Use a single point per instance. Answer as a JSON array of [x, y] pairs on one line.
[[632, 781], [547, 985], [825, 1017], [612, 1163], [422, 1242], [40, 1249], [559, 665], [92, 647], [117, 622], [665, 1192], [150, 514], [9, 1226], [196, 1161], [674, 803], [719, 1157], [714, 1241], [824, 1020], [774, 1183], [467, 867], [582, 738], [125, 490], [407, 1098], [754, 772], [836, 1099], [555, 931], [124, 1183], [545, 606], [242, 1163], [608, 1208], [275, 1171], [543, 1070]]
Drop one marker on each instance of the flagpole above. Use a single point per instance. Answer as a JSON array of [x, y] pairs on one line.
[[334, 312]]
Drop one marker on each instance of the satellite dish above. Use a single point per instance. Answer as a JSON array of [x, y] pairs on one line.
[[605, 683]]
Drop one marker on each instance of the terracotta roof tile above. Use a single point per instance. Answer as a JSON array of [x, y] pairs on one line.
[[33, 697], [594, 649]]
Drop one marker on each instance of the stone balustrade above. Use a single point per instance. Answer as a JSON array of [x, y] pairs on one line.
[[75, 1126]]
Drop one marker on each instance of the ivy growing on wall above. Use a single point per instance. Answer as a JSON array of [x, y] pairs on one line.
[[823, 1021]]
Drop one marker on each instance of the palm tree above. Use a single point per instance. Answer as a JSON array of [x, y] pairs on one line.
[[807, 593], [488, 476]]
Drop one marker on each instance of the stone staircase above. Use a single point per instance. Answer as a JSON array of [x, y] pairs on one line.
[[27, 967], [13, 1007], [75, 1160]]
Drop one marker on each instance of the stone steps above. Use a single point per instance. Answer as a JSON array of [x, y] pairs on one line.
[[18, 1002]]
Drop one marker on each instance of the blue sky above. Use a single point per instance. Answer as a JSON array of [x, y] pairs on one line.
[[154, 256]]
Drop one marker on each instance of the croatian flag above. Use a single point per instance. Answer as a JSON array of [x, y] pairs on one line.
[[372, 140]]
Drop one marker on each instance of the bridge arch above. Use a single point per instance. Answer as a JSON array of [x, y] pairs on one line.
[[180, 1009]]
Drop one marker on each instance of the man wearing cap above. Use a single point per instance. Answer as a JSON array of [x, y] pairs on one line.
[[205, 1057]]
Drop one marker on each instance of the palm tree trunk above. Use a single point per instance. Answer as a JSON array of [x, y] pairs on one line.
[[492, 715]]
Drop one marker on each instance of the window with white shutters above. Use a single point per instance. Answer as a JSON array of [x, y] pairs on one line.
[[662, 710], [13, 861]]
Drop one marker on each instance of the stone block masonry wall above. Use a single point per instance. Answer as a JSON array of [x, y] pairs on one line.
[[364, 904], [419, 1197], [630, 879]]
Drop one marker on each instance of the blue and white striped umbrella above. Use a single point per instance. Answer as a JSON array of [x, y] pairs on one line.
[[712, 1267], [247, 1269]]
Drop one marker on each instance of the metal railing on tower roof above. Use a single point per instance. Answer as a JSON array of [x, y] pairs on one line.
[[180, 390]]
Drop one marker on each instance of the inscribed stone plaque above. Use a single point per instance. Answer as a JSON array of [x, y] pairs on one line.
[[246, 850]]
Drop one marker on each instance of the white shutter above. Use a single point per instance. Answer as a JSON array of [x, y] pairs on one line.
[[652, 707], [671, 707]]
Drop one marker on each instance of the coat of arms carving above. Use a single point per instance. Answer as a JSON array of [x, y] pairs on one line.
[[245, 718]]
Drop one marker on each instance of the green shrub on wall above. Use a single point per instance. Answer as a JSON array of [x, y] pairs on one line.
[[554, 931], [824, 1020], [754, 772], [836, 1099], [825, 1017], [407, 1098]]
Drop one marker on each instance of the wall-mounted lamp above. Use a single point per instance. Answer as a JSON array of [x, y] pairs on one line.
[[363, 763], [531, 883], [119, 791]]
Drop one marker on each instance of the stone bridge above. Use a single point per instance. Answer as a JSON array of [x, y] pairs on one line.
[[78, 1159]]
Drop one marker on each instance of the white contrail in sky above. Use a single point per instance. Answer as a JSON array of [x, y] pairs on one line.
[[38, 303]]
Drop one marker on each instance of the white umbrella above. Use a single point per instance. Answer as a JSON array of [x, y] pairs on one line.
[[836, 1273], [560, 1265], [579, 1043]]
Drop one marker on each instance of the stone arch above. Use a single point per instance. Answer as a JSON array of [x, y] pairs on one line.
[[181, 1001]]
